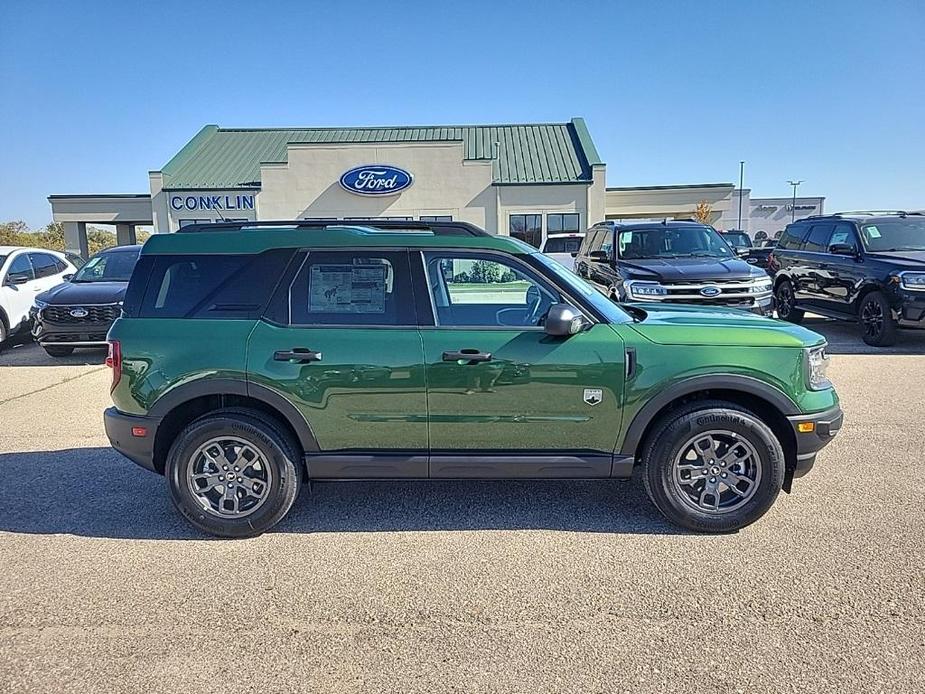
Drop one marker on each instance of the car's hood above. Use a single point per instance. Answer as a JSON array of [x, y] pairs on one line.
[[84, 293], [695, 325], [680, 269], [913, 260]]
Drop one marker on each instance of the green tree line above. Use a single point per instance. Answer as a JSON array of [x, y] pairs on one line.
[[18, 233]]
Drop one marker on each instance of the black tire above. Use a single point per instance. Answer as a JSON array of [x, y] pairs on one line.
[[878, 326], [669, 437], [271, 441], [4, 331], [785, 301], [58, 351]]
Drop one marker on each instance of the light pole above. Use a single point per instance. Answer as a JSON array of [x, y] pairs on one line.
[[741, 192], [793, 205]]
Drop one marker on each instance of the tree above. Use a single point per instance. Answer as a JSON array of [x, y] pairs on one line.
[[484, 271], [17, 233], [703, 212]]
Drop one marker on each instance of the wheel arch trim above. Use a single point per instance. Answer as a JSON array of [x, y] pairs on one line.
[[743, 384], [230, 386]]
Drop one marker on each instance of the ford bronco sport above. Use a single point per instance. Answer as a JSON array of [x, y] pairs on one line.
[[252, 358]]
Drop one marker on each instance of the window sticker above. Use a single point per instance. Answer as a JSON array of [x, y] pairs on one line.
[[347, 289], [872, 232]]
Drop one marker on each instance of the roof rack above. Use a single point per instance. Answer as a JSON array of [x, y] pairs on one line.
[[436, 228], [865, 213]]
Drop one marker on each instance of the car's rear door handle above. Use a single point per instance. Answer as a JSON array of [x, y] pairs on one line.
[[300, 355], [473, 356]]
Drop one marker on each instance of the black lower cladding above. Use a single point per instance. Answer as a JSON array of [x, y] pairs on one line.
[[123, 431], [343, 465], [825, 425]]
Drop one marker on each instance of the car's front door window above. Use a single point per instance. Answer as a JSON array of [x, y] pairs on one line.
[[480, 290]]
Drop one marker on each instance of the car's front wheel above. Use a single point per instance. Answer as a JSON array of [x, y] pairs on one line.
[[233, 473], [877, 320], [785, 301], [712, 466]]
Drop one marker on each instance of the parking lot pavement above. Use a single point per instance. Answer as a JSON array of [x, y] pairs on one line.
[[503, 587]]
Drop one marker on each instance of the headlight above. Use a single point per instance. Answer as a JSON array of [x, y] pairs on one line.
[[817, 364], [760, 286], [912, 280], [40, 304], [644, 291]]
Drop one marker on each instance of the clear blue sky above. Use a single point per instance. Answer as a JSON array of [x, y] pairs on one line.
[[94, 94]]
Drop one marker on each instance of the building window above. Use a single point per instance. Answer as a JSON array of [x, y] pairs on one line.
[[187, 222], [436, 218], [527, 228], [562, 223]]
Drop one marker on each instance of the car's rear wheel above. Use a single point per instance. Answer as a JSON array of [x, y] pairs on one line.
[[57, 351], [233, 474], [712, 466], [877, 322], [785, 300]]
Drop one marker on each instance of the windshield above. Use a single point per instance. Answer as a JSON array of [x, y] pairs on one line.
[[739, 240], [566, 245], [108, 267], [578, 286], [894, 235], [672, 242]]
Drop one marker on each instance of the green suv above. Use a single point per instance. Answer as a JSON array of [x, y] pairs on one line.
[[253, 358]]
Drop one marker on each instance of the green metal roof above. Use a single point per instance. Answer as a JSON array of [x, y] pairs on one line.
[[257, 240], [526, 153]]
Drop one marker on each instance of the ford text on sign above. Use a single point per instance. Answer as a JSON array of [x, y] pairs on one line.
[[376, 179]]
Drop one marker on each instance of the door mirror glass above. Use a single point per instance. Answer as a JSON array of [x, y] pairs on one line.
[[563, 320], [843, 249]]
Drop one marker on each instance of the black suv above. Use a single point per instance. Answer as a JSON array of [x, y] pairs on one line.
[[79, 312], [671, 262], [860, 266]]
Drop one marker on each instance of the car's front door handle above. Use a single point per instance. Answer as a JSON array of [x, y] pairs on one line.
[[473, 356], [300, 355]]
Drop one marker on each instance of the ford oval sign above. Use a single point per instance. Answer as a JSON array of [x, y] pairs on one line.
[[376, 179], [79, 312], [710, 291]]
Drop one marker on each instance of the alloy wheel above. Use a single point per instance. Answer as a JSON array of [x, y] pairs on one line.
[[229, 477], [717, 471], [784, 300], [872, 318]]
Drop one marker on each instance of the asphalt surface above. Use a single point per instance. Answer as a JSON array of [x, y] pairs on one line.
[[496, 587]]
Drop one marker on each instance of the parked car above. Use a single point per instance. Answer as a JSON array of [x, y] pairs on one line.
[[867, 267], [563, 248], [24, 272], [246, 362], [671, 262], [79, 312], [739, 240]]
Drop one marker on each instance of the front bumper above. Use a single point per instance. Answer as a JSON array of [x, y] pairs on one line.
[[124, 432], [909, 309], [821, 429], [79, 334]]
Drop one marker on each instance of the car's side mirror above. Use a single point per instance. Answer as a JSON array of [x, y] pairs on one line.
[[843, 249], [574, 254], [17, 278], [563, 320], [600, 256], [68, 277]]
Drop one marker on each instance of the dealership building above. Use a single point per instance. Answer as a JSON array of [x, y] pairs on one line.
[[525, 180]]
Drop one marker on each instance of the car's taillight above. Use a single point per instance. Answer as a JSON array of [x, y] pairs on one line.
[[114, 362]]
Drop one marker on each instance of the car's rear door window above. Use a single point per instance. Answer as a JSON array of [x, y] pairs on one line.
[[817, 241], [792, 237], [362, 288], [45, 265]]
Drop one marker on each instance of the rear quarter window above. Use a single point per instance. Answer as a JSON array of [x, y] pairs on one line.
[[792, 237], [205, 286]]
